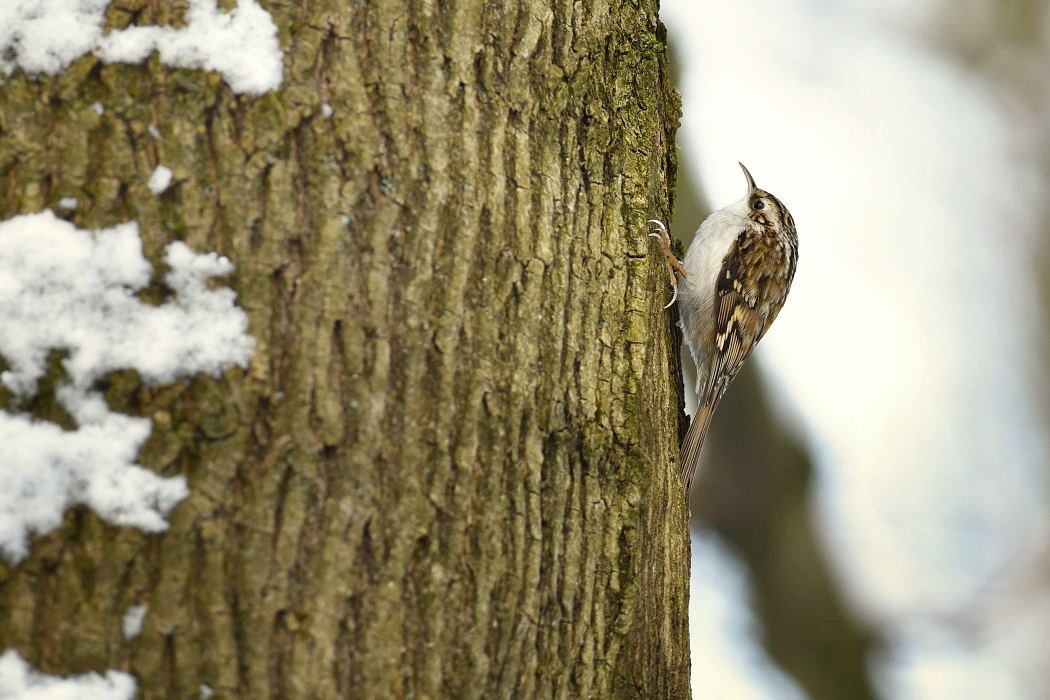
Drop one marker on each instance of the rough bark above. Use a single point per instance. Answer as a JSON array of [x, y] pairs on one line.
[[449, 470]]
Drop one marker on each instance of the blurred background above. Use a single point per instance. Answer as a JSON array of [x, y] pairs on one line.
[[870, 517]]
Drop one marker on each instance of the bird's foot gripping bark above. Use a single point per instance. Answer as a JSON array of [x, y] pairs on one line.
[[672, 262]]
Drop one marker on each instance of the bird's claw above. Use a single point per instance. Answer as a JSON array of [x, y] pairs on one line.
[[673, 264]]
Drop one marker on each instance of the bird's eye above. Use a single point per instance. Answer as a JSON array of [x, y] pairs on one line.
[[759, 205]]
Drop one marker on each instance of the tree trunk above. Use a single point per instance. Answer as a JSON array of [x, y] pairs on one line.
[[449, 470]]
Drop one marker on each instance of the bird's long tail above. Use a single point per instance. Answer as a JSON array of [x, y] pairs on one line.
[[694, 440]]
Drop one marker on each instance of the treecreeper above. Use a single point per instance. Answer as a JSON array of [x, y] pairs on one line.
[[735, 279]]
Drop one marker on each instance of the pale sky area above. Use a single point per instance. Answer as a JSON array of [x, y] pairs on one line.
[[906, 354], [727, 660]]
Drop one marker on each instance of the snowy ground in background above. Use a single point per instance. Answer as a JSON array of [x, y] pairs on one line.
[[906, 346]]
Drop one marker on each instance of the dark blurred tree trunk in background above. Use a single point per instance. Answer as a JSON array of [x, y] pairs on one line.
[[755, 493], [449, 470]]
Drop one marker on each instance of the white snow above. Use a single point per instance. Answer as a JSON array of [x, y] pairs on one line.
[[46, 470], [326, 111], [160, 179], [206, 692], [63, 288], [98, 108], [45, 36], [131, 626], [905, 347], [18, 681], [68, 203]]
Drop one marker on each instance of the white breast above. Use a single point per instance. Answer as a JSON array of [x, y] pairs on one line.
[[703, 263]]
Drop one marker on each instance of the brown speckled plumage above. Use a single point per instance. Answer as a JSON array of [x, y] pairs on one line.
[[738, 272]]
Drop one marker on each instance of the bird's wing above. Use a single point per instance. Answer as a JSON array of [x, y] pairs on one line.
[[739, 319], [739, 325]]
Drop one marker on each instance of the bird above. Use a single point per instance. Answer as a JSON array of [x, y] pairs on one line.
[[735, 278]]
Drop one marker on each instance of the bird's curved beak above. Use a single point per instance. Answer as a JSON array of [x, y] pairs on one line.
[[750, 180]]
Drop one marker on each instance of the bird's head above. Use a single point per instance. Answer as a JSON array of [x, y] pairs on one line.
[[763, 208]]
